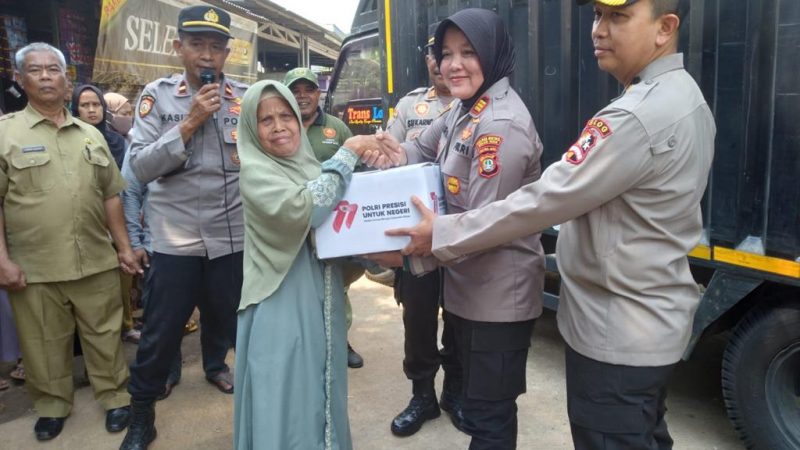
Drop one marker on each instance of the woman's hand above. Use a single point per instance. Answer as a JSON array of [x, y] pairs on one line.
[[360, 143]]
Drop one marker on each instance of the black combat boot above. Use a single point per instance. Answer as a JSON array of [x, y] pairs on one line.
[[450, 402], [423, 406], [142, 428]]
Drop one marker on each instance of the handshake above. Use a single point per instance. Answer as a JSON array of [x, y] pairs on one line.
[[380, 150]]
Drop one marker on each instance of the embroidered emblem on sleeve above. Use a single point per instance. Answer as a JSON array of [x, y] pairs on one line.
[[235, 158], [488, 145], [146, 105], [453, 185], [593, 132]]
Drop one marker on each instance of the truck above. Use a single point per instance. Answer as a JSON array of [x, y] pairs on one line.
[[744, 56]]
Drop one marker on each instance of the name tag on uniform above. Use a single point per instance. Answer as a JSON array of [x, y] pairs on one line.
[[33, 149]]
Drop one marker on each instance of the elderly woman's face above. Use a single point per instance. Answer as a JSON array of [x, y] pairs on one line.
[[278, 127], [460, 65]]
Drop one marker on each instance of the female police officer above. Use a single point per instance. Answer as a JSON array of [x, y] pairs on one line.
[[487, 147]]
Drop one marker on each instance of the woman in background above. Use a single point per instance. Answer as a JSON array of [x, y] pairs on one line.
[[89, 105], [121, 114]]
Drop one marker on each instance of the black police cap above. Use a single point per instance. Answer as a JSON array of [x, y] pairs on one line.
[[204, 19]]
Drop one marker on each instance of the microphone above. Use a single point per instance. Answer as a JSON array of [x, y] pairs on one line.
[[207, 76]]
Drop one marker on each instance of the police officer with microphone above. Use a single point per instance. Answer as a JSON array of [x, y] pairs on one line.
[[184, 148]]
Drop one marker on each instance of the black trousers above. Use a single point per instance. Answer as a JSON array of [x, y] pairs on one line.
[[420, 299], [493, 356], [179, 283], [147, 289], [616, 407]]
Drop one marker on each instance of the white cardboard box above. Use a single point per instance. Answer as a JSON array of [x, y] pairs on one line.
[[375, 202]]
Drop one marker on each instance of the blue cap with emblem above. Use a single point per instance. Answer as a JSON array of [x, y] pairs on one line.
[[204, 19]]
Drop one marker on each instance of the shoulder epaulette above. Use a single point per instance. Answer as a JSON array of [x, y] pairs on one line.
[[419, 90], [447, 108]]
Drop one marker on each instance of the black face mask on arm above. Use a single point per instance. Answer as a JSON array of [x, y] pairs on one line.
[[487, 34]]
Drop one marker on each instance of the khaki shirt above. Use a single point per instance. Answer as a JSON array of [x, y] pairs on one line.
[[414, 112], [53, 183], [485, 154], [628, 194], [326, 135], [188, 183]]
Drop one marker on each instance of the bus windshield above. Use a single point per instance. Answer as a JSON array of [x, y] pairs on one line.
[[358, 74]]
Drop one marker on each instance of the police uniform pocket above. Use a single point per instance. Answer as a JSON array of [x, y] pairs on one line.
[[30, 174], [231, 161], [606, 418], [497, 359], [455, 174]]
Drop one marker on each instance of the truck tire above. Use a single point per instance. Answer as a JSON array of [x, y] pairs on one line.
[[761, 377]]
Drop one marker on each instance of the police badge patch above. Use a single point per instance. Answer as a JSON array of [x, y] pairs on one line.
[[488, 166], [488, 145], [146, 105], [421, 109], [595, 130], [453, 185]]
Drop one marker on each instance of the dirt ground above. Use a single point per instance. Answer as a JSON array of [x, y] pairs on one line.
[[197, 416]]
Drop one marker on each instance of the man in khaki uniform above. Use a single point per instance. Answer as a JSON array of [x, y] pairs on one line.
[[59, 187], [326, 134], [420, 295], [628, 194]]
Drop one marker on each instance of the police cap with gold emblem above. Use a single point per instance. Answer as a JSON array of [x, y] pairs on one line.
[[204, 19], [431, 36]]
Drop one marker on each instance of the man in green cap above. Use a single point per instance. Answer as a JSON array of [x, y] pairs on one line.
[[326, 134], [627, 195]]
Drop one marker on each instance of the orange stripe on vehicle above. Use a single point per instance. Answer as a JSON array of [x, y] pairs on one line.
[[701, 252], [389, 69], [771, 264]]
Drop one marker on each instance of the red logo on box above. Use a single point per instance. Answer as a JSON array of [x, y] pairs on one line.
[[345, 214]]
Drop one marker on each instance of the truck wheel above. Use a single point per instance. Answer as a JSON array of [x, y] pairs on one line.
[[761, 378]]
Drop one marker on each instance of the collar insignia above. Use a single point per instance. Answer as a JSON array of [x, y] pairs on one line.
[[479, 105]]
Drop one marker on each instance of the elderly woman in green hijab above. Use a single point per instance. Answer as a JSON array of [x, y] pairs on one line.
[[291, 345]]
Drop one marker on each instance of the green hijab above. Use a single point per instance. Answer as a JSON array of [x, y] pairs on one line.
[[277, 205]]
